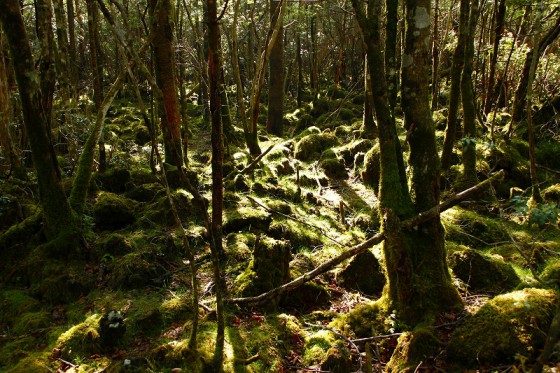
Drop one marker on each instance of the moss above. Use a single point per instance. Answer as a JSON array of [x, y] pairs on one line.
[[483, 272], [178, 354], [548, 154], [238, 245], [366, 319], [81, 340], [506, 326], [30, 364], [348, 151], [469, 228], [508, 157], [551, 273], [113, 180], [319, 106], [363, 273], [311, 146], [338, 360], [439, 118], [413, 348], [552, 193], [135, 270], [113, 212], [246, 218], [176, 308], [268, 269], [30, 321], [317, 346], [371, 172], [145, 192], [310, 295], [298, 235], [334, 168], [14, 302], [160, 211]]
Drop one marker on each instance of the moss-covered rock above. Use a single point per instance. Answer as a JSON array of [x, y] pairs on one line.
[[160, 212], [298, 235], [552, 193], [363, 273], [366, 319], [338, 360], [14, 303], [551, 274], [412, 348], [311, 146], [135, 270], [30, 321], [145, 192], [507, 156], [116, 244], [548, 154], [348, 152], [317, 346], [246, 218], [471, 229], [371, 171], [113, 212], [113, 179], [268, 269], [81, 340], [483, 272], [506, 326], [334, 168]]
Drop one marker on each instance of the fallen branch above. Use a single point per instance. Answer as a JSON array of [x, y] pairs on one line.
[[379, 237], [249, 167]]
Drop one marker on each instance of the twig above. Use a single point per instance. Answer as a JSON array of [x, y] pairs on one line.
[[250, 166], [67, 363], [361, 340]]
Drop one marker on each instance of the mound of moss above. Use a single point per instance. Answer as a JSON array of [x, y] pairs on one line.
[[145, 192], [81, 340], [135, 270], [371, 171], [471, 229], [333, 168], [508, 325], [245, 218], [412, 348], [312, 146], [552, 193], [112, 212], [363, 273], [483, 272], [113, 179]]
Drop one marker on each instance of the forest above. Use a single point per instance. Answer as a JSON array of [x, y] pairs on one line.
[[279, 186]]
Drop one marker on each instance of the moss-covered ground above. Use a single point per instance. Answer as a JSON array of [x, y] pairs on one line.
[[127, 304]]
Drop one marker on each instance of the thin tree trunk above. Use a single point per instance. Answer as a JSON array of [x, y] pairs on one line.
[[435, 58], [72, 65], [214, 65], [392, 69], [455, 89], [498, 32], [469, 177], [275, 118]]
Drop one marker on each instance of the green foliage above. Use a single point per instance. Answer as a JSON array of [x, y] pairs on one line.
[[540, 214]]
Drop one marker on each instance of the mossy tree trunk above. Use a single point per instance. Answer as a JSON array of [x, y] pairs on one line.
[[165, 72], [469, 177], [275, 118], [214, 73], [455, 86], [499, 27], [60, 223], [391, 31], [427, 289], [519, 100]]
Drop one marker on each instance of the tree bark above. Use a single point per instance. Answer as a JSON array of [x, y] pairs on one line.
[[275, 118], [165, 72], [469, 177], [214, 73], [58, 216], [498, 32], [455, 88], [417, 300]]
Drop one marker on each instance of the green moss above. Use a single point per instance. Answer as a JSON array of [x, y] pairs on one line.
[[371, 172], [348, 151], [366, 319], [81, 340], [145, 192], [135, 270], [317, 346], [551, 273], [338, 360], [246, 218], [363, 273], [30, 321], [469, 228], [508, 325], [31, 364], [483, 272], [311, 146], [552, 193], [113, 212], [413, 348], [299, 235], [548, 154], [334, 168], [160, 211], [14, 303], [113, 180]]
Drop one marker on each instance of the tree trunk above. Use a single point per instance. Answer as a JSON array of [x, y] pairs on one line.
[[392, 69], [97, 68], [59, 220], [518, 111], [498, 32], [369, 123], [214, 73], [455, 89], [275, 118], [72, 65], [165, 72], [469, 177], [416, 299]]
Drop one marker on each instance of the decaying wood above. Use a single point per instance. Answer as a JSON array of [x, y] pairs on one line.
[[379, 237]]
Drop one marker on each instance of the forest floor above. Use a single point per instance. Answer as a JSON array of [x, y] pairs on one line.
[[127, 306]]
